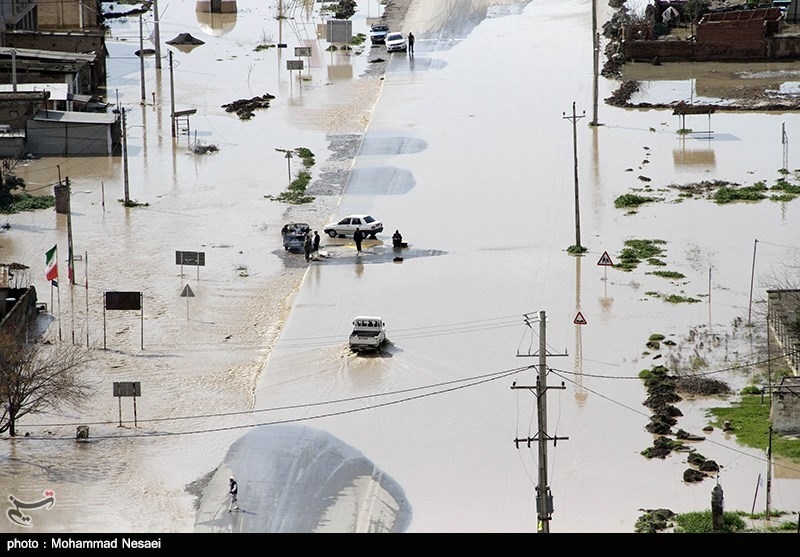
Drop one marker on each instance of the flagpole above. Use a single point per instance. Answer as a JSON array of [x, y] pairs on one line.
[[70, 261], [59, 313]]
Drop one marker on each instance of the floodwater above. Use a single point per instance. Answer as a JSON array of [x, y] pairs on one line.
[[467, 149]]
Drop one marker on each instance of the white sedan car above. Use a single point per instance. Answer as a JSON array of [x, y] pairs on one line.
[[347, 226], [396, 42]]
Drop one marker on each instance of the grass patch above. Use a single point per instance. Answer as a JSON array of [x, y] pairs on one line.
[[701, 523], [576, 249], [749, 419], [260, 47], [672, 275], [633, 200], [727, 194], [306, 155], [636, 250]]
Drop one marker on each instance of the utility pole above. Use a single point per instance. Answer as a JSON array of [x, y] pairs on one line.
[[574, 118], [171, 96], [125, 157], [544, 499], [769, 475], [156, 35], [141, 59]]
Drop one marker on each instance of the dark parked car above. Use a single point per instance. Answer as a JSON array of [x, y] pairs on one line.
[[377, 34], [294, 234]]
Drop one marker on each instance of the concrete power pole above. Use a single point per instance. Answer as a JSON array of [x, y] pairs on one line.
[[574, 118], [544, 499]]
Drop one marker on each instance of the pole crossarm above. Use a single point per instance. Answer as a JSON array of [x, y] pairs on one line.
[[536, 438]]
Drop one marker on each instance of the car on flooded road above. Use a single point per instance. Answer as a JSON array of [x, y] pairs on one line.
[[396, 42], [345, 227], [377, 34]]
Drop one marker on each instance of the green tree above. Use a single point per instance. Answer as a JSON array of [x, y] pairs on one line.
[[345, 9], [8, 184]]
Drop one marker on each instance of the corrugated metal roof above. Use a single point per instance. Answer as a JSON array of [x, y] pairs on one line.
[[48, 54], [74, 117]]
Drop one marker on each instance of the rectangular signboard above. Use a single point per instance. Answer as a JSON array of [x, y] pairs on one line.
[[339, 31], [294, 64], [127, 388], [190, 258], [302, 51], [123, 300]]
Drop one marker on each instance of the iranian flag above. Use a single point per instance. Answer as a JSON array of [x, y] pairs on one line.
[[51, 266]]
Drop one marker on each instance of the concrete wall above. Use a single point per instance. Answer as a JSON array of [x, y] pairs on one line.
[[69, 14], [785, 411], [20, 315], [771, 48]]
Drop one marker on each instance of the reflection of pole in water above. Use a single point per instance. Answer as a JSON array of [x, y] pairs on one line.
[[580, 392], [709, 300]]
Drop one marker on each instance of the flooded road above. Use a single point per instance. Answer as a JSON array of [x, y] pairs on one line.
[[469, 153]]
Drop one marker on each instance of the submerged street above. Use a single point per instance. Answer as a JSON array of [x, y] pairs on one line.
[[469, 150]]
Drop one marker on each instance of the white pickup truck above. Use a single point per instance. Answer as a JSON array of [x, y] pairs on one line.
[[369, 333]]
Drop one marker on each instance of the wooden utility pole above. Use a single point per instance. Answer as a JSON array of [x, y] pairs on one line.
[[544, 499], [574, 118]]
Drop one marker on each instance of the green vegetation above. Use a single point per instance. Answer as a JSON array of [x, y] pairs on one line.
[[26, 202], [656, 337], [260, 47], [11, 202], [750, 421], [636, 250], [576, 249], [673, 275], [701, 523], [295, 194], [306, 155], [633, 200], [132, 203], [727, 194], [358, 39]]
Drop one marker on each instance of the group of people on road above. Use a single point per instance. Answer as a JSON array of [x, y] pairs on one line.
[[311, 245]]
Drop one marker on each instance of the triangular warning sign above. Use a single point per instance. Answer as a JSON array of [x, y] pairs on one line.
[[187, 292], [605, 260], [579, 319]]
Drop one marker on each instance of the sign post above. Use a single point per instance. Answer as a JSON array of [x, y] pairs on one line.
[[127, 388], [197, 258], [187, 293], [605, 261]]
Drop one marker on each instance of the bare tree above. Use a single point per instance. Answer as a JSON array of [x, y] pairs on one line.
[[36, 377]]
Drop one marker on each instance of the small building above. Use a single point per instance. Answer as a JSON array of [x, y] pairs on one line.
[[81, 134], [785, 411]]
